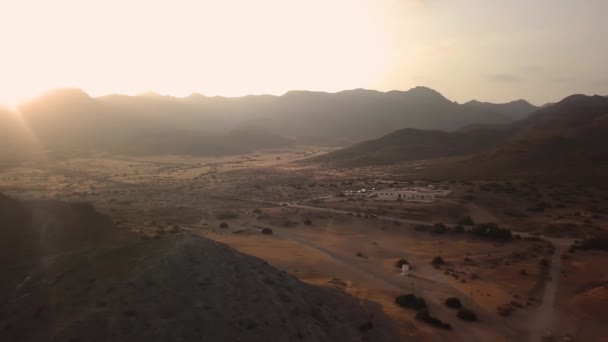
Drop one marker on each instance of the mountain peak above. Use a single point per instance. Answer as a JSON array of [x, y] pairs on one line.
[[580, 99], [66, 93], [424, 91]]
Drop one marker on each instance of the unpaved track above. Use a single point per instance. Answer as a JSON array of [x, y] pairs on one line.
[[426, 282]]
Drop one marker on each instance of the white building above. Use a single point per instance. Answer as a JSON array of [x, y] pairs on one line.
[[408, 195]]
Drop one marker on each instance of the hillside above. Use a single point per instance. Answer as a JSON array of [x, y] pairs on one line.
[[412, 144], [566, 138], [95, 284]]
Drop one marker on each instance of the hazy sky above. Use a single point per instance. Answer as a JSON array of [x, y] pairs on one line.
[[494, 50]]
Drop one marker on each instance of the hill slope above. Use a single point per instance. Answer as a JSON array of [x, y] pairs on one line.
[[568, 137], [93, 287], [412, 144]]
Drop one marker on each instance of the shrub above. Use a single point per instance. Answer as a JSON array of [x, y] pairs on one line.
[[399, 263], [467, 315], [438, 260], [492, 231], [360, 255], [425, 316], [467, 221], [439, 228], [595, 243], [544, 262], [523, 272], [410, 301], [453, 303], [307, 222], [226, 215], [223, 225], [458, 229], [267, 231]]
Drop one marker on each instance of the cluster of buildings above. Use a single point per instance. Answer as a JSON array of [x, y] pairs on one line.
[[427, 194]]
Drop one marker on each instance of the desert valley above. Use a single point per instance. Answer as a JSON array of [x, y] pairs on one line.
[[303, 171]]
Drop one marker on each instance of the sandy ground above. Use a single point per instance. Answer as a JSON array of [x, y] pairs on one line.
[[154, 194]]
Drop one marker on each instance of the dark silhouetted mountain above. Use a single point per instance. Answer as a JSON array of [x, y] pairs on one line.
[[567, 138], [67, 273], [512, 110], [412, 144]]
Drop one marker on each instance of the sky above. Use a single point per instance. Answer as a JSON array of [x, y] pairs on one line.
[[490, 50]]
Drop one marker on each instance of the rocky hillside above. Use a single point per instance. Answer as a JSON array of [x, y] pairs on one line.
[[182, 288]]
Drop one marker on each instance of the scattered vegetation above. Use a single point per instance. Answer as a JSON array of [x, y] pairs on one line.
[[492, 231], [266, 231], [466, 221], [439, 228], [425, 316], [307, 222], [226, 215], [467, 315], [594, 243], [453, 303], [459, 229], [438, 260], [410, 301], [224, 225]]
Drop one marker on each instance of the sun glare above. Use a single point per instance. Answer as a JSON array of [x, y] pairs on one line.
[[230, 48]]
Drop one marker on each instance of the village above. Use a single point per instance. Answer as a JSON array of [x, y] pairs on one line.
[[428, 194]]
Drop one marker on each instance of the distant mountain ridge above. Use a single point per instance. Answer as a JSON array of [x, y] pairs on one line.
[[70, 121]]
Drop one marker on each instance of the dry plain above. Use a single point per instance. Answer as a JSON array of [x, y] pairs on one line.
[[352, 244]]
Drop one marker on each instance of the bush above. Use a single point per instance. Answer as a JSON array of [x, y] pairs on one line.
[[467, 315], [267, 231], [453, 303], [410, 301], [492, 231], [223, 225], [438, 260], [425, 316], [226, 215], [458, 229], [439, 228], [595, 243], [466, 221], [307, 222], [399, 263]]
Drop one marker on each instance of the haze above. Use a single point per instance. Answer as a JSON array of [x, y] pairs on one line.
[[489, 50]]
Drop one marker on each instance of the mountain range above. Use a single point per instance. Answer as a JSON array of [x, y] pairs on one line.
[[568, 137], [69, 121]]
